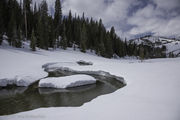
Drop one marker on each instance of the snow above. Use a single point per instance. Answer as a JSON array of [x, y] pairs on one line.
[[67, 81], [172, 45], [152, 91], [20, 67], [63, 69], [19, 80]]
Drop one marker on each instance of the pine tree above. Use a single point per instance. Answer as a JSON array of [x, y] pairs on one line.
[[40, 42], [69, 30], [135, 53], [121, 49], [141, 53], [1, 39], [108, 46], [125, 48], [101, 44], [11, 29], [33, 41], [2, 10], [58, 18], [19, 38], [102, 49], [112, 36], [44, 9], [42, 31], [27, 17], [35, 18], [14, 36], [51, 31], [63, 42], [83, 39]]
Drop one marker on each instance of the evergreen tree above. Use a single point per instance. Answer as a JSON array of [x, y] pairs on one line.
[[27, 17], [51, 31], [1, 38], [14, 36], [125, 47], [141, 53], [112, 36], [102, 49], [35, 19], [135, 53], [69, 30], [58, 18], [63, 42], [40, 42], [11, 29], [108, 46], [2, 13], [83, 39], [33, 41], [101, 44], [42, 30], [19, 38]]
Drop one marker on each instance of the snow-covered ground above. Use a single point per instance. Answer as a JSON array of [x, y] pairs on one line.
[[152, 91], [67, 81]]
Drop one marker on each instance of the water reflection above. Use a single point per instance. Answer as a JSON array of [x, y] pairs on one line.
[[20, 99]]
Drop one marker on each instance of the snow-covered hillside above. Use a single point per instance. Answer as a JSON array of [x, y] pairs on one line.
[[172, 44], [152, 91]]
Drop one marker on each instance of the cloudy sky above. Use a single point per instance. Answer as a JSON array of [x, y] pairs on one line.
[[129, 17]]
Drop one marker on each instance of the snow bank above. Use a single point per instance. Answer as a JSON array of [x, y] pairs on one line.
[[19, 80], [68, 81], [82, 62], [63, 70], [19, 67]]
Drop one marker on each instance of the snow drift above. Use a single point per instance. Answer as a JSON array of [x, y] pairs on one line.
[[19, 81], [67, 81]]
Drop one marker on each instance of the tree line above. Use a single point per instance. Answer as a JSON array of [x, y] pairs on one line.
[[21, 21]]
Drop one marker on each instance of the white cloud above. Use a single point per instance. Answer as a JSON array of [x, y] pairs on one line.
[[86, 6], [158, 16], [113, 14], [155, 20], [159, 19], [167, 4], [115, 11]]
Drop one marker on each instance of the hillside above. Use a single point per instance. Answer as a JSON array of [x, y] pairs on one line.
[[172, 45]]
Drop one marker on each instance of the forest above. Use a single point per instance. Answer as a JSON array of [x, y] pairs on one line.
[[23, 21]]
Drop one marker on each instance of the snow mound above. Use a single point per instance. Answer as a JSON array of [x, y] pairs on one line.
[[67, 82], [82, 62], [53, 68], [56, 65], [18, 80]]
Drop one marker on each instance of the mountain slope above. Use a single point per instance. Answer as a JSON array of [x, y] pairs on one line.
[[172, 44]]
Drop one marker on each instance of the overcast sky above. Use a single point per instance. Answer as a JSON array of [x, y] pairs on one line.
[[129, 17]]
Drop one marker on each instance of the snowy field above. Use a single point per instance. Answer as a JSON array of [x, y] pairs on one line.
[[152, 91]]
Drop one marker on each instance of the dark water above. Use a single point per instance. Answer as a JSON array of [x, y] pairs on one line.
[[18, 99]]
